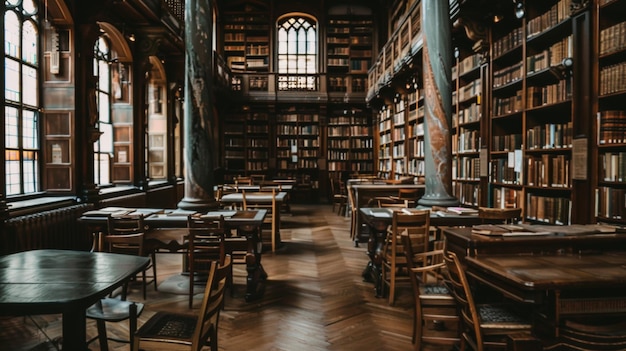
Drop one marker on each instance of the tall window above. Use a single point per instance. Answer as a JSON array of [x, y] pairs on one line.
[[297, 53], [21, 96], [103, 148]]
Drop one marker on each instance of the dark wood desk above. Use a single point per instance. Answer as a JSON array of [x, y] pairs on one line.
[[559, 276], [364, 193], [379, 219], [165, 234], [62, 281]]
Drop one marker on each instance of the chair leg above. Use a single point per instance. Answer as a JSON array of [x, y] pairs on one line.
[[143, 284], [154, 271], [102, 335], [392, 284], [191, 286], [132, 323]]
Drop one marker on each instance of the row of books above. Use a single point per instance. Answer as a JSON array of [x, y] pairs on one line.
[[548, 171], [508, 75], [550, 136], [555, 15], [613, 78], [552, 210], [504, 172], [549, 94], [613, 166], [506, 105], [612, 127], [611, 203], [508, 42], [613, 38], [550, 57], [507, 142]]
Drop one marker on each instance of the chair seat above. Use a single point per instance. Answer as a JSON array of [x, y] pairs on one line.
[[500, 317], [175, 326], [434, 289], [112, 310]]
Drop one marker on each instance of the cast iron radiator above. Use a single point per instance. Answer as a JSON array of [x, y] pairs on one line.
[[51, 229]]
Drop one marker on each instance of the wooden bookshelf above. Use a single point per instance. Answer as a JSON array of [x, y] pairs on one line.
[[246, 142], [466, 129], [349, 49], [350, 141], [415, 134], [298, 136], [246, 38], [610, 163]]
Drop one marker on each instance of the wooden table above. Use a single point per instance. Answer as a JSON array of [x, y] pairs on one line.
[[62, 281], [161, 237], [264, 199], [558, 276], [379, 219], [364, 192]]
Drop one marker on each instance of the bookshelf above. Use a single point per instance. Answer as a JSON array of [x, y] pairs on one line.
[[298, 144], [548, 123], [235, 143], [246, 140], [350, 142], [610, 191], [349, 43], [385, 141], [506, 118], [466, 126], [247, 38], [415, 134]]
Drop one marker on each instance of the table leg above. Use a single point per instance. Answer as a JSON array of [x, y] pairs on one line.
[[373, 270], [255, 281], [74, 330]]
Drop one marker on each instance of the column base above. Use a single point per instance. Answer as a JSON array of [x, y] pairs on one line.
[[442, 201], [199, 205]]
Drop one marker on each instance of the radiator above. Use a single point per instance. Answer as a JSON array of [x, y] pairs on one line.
[[51, 229]]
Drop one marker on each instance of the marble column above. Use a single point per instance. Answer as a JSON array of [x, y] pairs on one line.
[[199, 115], [437, 64]]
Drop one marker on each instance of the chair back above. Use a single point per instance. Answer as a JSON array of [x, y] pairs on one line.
[[125, 235], [416, 224], [460, 289], [408, 196], [499, 215], [212, 303], [206, 239]]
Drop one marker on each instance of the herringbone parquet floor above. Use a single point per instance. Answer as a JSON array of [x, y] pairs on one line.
[[315, 299]]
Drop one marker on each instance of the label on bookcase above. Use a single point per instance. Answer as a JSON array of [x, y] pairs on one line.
[[57, 154], [579, 158]]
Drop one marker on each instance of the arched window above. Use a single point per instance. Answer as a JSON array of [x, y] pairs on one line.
[[103, 148], [297, 53], [21, 96]]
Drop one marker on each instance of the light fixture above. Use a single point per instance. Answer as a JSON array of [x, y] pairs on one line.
[[497, 18], [519, 9], [131, 37]]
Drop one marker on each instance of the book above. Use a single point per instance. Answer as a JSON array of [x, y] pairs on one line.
[[462, 210]]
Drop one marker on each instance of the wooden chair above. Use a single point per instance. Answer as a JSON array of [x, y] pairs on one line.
[[434, 305], [417, 225], [120, 229], [483, 326], [354, 223], [257, 179], [271, 218], [499, 215], [115, 309], [339, 195], [205, 240], [178, 331]]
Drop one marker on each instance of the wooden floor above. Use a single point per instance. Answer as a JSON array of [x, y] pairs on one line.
[[315, 298]]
